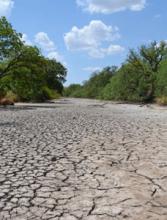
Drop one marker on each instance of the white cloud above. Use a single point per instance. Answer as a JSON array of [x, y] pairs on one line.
[[91, 38], [26, 40], [111, 6], [91, 69], [44, 41], [48, 46], [102, 52], [112, 49], [6, 7], [55, 55]]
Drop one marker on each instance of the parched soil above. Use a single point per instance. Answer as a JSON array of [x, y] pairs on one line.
[[83, 160]]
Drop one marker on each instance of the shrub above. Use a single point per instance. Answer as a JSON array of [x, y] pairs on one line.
[[161, 100], [2, 93], [11, 96], [72, 90], [161, 81], [49, 94]]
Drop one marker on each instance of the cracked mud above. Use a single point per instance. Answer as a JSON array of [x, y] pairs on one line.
[[83, 160]]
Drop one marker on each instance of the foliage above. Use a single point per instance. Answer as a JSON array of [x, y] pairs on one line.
[[115, 89], [129, 84], [49, 93], [161, 81], [141, 78], [161, 100], [24, 71], [55, 75], [11, 96], [161, 85], [146, 63], [26, 77], [10, 41], [72, 90], [94, 86]]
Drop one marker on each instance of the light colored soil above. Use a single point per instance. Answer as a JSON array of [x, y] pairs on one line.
[[83, 160]]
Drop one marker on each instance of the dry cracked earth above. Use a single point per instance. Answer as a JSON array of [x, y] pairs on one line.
[[83, 160]]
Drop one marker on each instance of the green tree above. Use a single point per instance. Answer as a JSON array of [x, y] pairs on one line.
[[55, 75], [94, 86], [146, 63], [74, 90], [10, 46], [27, 76], [24, 71], [161, 82]]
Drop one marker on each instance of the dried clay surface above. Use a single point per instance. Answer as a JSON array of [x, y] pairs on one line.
[[83, 160]]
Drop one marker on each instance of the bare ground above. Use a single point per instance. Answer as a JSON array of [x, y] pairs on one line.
[[83, 160]]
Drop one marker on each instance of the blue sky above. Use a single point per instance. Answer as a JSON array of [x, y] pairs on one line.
[[87, 35]]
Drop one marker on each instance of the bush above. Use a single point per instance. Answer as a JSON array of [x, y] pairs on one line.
[[112, 91], [72, 90], [141, 78], [24, 71], [161, 82], [2, 94], [93, 87], [48, 94], [161, 100], [11, 96]]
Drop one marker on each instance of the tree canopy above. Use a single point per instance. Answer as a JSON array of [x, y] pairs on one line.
[[24, 71], [142, 77]]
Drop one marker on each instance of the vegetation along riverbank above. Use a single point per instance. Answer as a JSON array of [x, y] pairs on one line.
[[141, 78], [27, 75]]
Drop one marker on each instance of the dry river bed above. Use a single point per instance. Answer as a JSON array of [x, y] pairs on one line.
[[83, 160]]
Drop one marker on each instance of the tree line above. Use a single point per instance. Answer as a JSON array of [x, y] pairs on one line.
[[141, 78], [25, 74]]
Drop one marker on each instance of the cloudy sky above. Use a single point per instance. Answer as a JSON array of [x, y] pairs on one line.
[[87, 35]]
